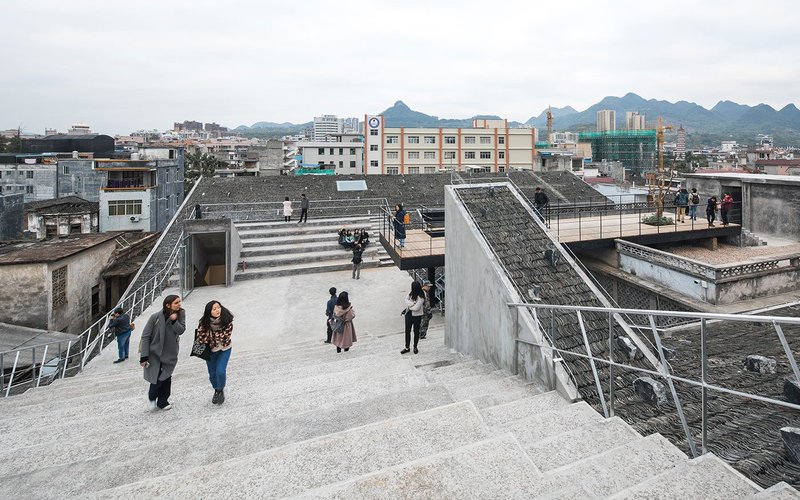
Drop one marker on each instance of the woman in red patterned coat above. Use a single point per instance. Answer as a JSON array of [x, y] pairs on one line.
[[215, 329]]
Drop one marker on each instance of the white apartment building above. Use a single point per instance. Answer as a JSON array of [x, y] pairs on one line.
[[326, 126], [606, 120], [635, 121], [489, 145], [345, 154], [680, 144]]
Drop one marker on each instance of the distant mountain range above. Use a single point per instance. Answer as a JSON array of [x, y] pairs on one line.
[[726, 119]]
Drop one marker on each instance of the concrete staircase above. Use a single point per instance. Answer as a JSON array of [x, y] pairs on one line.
[[303, 421], [273, 248]]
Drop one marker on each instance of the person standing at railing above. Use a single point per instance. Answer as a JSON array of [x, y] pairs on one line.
[[725, 208], [303, 208], [120, 324], [540, 201], [215, 329], [287, 210], [159, 350], [681, 204], [399, 225], [711, 210], [694, 201]]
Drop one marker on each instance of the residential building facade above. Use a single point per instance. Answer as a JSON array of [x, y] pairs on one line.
[[606, 120], [326, 126], [489, 145], [61, 217], [635, 121], [344, 156]]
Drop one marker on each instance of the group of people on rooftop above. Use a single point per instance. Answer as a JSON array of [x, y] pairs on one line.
[[688, 202]]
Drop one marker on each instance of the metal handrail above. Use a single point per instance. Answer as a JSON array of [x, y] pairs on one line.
[[663, 370], [93, 337]]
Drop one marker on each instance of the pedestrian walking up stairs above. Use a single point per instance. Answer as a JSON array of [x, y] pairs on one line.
[[302, 421], [271, 248]]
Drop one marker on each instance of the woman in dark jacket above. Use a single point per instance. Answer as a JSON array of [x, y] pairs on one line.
[[160, 346], [399, 225], [215, 330], [120, 324]]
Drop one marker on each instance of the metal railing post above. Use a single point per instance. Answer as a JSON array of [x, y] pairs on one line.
[[600, 392], [41, 366], [516, 340], [2, 372], [66, 360], [668, 376], [611, 382], [11, 377], [704, 390], [787, 350]]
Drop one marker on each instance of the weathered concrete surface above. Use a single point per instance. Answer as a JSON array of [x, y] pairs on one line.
[[24, 295]]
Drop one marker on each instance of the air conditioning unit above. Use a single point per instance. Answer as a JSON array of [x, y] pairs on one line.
[[135, 218]]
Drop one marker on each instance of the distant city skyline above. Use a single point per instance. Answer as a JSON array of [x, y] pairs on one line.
[[119, 69]]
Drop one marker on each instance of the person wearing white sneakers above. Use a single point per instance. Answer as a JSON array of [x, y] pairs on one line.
[[159, 351]]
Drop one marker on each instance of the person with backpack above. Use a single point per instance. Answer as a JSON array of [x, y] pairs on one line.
[[400, 217], [329, 313], [415, 304], [694, 201], [120, 324], [357, 260], [215, 329], [344, 333], [725, 207], [540, 201], [681, 204]]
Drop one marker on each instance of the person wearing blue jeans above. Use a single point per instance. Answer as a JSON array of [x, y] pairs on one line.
[[215, 330], [120, 324]]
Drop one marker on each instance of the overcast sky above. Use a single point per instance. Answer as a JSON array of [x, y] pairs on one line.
[[124, 66]]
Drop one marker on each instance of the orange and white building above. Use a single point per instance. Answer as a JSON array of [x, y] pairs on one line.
[[489, 145]]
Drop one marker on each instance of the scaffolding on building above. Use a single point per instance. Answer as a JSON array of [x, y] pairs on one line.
[[635, 149]]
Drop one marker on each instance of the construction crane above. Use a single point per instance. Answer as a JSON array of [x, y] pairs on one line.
[[549, 126]]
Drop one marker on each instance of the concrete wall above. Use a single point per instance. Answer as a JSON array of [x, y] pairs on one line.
[[79, 179], [232, 242], [684, 283], [478, 321], [774, 209], [24, 295], [124, 222], [11, 216], [764, 285], [235, 246], [83, 273]]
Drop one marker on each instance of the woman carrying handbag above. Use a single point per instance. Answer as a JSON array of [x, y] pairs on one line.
[[415, 303], [214, 330]]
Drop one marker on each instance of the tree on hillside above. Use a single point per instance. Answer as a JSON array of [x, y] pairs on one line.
[[200, 164]]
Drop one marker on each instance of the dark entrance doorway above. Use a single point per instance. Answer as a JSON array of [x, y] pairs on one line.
[[735, 214]]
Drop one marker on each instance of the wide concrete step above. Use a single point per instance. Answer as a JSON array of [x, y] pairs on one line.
[[493, 468], [507, 413], [614, 470], [324, 221], [292, 228], [302, 466], [171, 455], [562, 449], [705, 477], [780, 491], [192, 415], [311, 267], [291, 248], [300, 258], [534, 428], [266, 241]]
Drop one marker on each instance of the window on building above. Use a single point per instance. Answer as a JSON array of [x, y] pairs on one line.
[[341, 151], [413, 155], [373, 163], [95, 300], [501, 168], [59, 288], [413, 139], [373, 131], [501, 139], [469, 155], [430, 139], [341, 164], [125, 207], [392, 170], [29, 189], [449, 155], [391, 155], [321, 163], [353, 150], [65, 169], [469, 139], [392, 139], [372, 147], [430, 170], [449, 139], [330, 150], [29, 174], [1, 174], [501, 155], [413, 170], [486, 140], [320, 151], [430, 155], [352, 164], [486, 155]]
